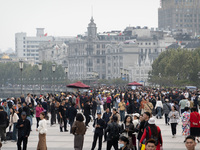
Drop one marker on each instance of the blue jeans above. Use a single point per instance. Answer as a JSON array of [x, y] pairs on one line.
[[30, 119], [159, 112], [98, 109], [122, 115], [14, 135], [116, 105]]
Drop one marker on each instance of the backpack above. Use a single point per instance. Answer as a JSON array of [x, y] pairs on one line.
[[152, 136], [114, 132]]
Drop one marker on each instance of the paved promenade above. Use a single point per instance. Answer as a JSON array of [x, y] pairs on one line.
[[64, 141]]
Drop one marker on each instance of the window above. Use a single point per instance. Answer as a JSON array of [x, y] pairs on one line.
[[98, 46], [103, 61], [98, 52], [98, 61], [103, 46], [103, 52]]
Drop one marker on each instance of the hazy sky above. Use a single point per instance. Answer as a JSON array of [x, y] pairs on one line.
[[71, 17]]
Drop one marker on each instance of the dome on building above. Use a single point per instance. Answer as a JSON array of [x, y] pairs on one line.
[[5, 57]]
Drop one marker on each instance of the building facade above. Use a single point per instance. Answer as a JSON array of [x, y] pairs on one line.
[[180, 14]]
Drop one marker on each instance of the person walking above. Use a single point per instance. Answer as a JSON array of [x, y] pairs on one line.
[[159, 107], [148, 107], [38, 110], [63, 118], [185, 118], [98, 133], [106, 118], [108, 101], [122, 108], [113, 130], [87, 112], [78, 129], [3, 124], [166, 110], [195, 124], [13, 122], [123, 142], [152, 132], [42, 129], [94, 107], [24, 128], [72, 115], [53, 112], [127, 130], [174, 119]]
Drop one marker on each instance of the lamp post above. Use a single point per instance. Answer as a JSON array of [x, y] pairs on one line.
[[21, 66], [40, 69], [66, 71], [121, 72], [53, 70]]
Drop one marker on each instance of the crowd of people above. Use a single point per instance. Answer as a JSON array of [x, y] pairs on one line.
[[122, 117]]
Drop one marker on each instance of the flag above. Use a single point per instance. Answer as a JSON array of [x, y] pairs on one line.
[[45, 34]]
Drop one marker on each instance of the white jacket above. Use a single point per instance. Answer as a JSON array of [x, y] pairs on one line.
[[159, 104], [42, 126], [13, 119]]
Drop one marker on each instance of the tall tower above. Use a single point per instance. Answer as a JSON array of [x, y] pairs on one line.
[[92, 30]]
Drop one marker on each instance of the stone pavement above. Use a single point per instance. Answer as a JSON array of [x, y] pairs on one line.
[[64, 141]]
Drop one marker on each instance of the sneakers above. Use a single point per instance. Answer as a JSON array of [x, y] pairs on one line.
[[174, 136]]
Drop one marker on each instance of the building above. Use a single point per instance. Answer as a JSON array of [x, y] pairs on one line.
[[27, 47], [180, 14]]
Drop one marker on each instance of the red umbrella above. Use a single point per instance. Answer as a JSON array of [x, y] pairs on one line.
[[135, 84], [78, 84]]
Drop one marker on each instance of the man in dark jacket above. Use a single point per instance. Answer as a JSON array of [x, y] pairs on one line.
[[113, 130], [98, 133], [24, 129], [63, 117], [87, 112], [72, 115], [106, 118], [53, 112], [3, 123]]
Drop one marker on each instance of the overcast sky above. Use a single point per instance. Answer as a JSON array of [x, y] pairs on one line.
[[71, 17]]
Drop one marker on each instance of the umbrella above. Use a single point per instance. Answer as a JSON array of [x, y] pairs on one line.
[[135, 84], [78, 84]]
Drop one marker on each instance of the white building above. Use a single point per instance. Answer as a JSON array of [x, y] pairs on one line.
[[27, 47]]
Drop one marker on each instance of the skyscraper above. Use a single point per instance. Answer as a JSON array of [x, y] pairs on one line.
[[180, 14]]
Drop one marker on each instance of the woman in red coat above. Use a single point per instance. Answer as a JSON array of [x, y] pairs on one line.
[[195, 124], [152, 132]]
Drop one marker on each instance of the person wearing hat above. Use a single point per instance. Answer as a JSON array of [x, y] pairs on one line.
[[152, 132], [98, 131], [24, 128], [123, 142]]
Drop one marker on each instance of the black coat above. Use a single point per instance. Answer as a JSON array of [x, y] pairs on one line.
[[100, 122], [72, 113], [52, 108], [87, 109], [25, 130]]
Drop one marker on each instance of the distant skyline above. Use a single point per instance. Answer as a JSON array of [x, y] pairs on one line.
[[71, 17]]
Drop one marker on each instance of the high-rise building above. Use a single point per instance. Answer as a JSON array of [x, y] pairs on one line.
[[180, 14], [27, 47]]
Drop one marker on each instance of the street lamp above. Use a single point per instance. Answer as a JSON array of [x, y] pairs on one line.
[[40, 69], [53, 70], [21, 66], [121, 72], [66, 71]]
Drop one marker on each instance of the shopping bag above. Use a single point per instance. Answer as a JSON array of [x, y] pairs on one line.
[[143, 147]]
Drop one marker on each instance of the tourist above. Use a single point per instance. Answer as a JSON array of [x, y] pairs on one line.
[[113, 130], [87, 112], [185, 118], [78, 129], [108, 101], [115, 113], [152, 132], [38, 110], [166, 110], [150, 144], [63, 117], [195, 123], [6, 108], [53, 112], [13, 122], [174, 120], [122, 109], [3, 124], [98, 131], [127, 130], [190, 142], [94, 107], [72, 115], [42, 129], [123, 142], [159, 107], [183, 103], [106, 118], [24, 128], [148, 106]]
